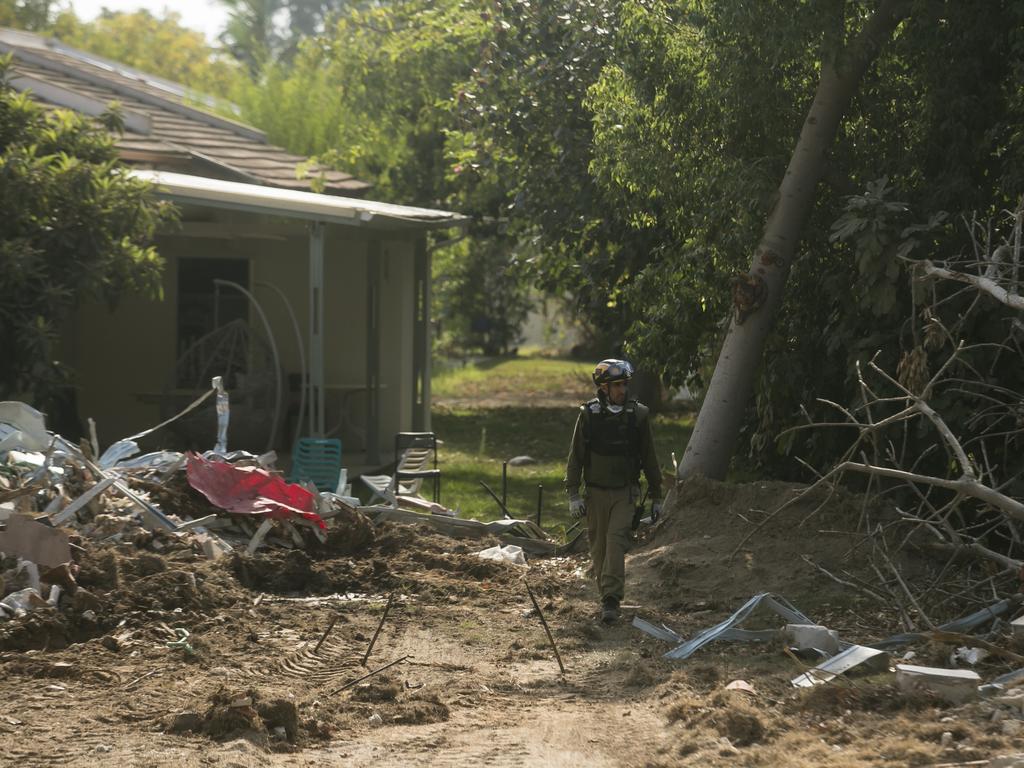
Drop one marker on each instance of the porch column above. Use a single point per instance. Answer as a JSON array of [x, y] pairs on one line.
[[421, 338], [316, 329], [373, 257]]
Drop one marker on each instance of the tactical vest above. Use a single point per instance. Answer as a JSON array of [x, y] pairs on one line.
[[612, 445]]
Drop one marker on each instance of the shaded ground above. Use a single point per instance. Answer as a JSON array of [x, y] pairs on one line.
[[481, 685]]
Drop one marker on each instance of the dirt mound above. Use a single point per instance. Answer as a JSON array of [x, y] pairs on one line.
[[244, 714], [415, 559], [112, 582], [694, 559], [727, 713]]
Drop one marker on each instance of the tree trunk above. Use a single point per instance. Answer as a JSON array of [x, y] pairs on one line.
[[758, 294]]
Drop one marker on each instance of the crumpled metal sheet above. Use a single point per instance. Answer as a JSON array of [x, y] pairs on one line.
[[251, 491], [22, 427], [841, 663], [962, 625], [727, 630]]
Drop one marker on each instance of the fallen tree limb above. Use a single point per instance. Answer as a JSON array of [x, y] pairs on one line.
[[962, 485], [984, 284]]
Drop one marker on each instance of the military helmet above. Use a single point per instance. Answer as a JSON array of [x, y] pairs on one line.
[[611, 370]]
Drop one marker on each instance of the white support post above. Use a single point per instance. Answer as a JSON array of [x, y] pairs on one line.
[[316, 329], [374, 252]]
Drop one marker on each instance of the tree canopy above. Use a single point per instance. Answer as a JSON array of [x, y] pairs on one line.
[[159, 45], [643, 142]]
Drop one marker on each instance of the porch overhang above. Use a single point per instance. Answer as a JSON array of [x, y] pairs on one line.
[[375, 218], [294, 204]]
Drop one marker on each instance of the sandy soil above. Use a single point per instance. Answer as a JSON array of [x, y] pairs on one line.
[[96, 684]]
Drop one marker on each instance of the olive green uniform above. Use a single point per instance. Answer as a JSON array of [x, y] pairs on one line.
[[608, 452]]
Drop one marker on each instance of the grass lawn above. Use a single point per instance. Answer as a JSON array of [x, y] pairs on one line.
[[512, 380], [477, 439]]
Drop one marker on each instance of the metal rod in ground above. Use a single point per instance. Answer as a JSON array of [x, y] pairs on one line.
[[543, 621], [327, 632], [504, 509], [540, 500], [368, 674], [380, 626], [504, 483]]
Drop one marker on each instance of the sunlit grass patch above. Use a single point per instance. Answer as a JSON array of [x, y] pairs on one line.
[[477, 441], [516, 377]]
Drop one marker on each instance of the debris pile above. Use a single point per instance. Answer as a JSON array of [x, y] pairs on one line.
[[59, 501], [63, 506]]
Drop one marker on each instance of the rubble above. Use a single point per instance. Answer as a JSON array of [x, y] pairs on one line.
[[59, 500], [953, 685]]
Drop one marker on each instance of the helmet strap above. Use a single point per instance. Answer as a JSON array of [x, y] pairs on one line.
[[602, 395]]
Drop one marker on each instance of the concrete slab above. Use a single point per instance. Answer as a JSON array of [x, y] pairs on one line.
[[953, 685]]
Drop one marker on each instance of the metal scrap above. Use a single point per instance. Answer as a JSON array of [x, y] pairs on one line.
[[727, 630]]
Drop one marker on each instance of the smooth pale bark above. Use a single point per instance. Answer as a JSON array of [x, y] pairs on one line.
[[711, 446]]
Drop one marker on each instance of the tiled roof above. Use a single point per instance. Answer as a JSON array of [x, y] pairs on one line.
[[167, 131]]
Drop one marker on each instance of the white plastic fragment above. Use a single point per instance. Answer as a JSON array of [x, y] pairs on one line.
[[969, 656], [805, 637], [23, 601], [1007, 761], [28, 458], [509, 553], [223, 415], [7, 509], [740, 685], [32, 572], [257, 538]]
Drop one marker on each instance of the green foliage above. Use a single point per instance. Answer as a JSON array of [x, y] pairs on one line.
[[366, 97], [642, 143], [157, 45], [371, 97], [524, 139], [261, 32], [75, 226], [31, 15], [480, 297]]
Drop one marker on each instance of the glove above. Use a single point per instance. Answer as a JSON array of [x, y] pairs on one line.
[[577, 508], [655, 510]]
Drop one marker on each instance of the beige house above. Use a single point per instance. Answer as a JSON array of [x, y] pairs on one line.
[[313, 306]]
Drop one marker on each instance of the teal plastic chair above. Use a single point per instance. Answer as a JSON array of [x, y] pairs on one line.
[[317, 460]]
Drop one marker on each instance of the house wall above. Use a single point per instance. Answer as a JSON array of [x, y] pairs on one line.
[[125, 358], [122, 358]]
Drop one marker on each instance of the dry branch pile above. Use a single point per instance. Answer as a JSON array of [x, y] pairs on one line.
[[939, 443]]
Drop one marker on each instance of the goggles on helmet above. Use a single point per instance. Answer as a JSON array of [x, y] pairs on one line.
[[611, 370]]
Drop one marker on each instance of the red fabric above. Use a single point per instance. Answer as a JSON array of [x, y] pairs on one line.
[[250, 490]]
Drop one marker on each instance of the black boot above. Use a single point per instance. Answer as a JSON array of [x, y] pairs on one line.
[[609, 610]]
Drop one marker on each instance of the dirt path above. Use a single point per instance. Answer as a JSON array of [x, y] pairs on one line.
[[481, 686]]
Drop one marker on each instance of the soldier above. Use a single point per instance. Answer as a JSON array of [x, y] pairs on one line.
[[611, 444]]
